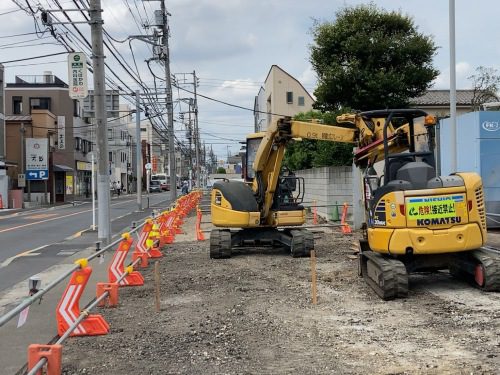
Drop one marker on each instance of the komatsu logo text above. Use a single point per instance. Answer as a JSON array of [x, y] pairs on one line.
[[439, 221]]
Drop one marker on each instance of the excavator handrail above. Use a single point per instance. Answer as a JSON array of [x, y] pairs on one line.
[[395, 113]]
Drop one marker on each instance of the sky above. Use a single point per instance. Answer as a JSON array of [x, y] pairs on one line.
[[231, 44]]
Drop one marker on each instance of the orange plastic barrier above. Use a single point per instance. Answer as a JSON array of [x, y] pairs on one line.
[[165, 221], [315, 213], [144, 262], [68, 309], [346, 229], [199, 234], [143, 237], [116, 267], [53, 355], [112, 299], [153, 242]]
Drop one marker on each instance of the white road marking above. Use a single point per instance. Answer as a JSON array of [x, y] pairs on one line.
[[31, 252]]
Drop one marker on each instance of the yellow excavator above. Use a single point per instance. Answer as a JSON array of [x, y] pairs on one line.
[[415, 220]]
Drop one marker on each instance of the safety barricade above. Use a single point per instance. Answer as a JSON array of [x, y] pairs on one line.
[[116, 266], [346, 229], [165, 222], [146, 243], [153, 242], [315, 213], [199, 234], [71, 319], [68, 309]]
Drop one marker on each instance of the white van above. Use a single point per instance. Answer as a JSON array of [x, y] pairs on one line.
[[163, 178]]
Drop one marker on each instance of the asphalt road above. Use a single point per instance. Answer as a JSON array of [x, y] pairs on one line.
[[32, 241]]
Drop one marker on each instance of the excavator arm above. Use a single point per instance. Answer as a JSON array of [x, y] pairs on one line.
[[365, 132], [269, 156]]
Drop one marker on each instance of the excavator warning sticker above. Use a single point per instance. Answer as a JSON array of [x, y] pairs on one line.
[[435, 210]]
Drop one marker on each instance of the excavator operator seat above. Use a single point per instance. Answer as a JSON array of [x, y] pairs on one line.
[[394, 165], [417, 173]]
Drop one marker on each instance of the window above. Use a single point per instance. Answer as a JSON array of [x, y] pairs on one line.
[[110, 156], [289, 97], [110, 134], [144, 129], [301, 101], [40, 103], [17, 105], [78, 143], [76, 108]]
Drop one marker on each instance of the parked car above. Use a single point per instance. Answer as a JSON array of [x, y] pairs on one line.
[[164, 186], [155, 186]]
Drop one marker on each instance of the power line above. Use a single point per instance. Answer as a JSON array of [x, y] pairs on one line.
[[39, 63], [15, 35], [35, 57]]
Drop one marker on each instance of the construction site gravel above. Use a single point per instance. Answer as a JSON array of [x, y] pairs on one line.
[[252, 314]]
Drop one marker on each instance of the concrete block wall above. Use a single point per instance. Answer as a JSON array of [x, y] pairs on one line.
[[328, 186]]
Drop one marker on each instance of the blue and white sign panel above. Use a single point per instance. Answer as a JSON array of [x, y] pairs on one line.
[[37, 174]]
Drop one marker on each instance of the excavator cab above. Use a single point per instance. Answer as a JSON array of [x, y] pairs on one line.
[[408, 170], [289, 193]]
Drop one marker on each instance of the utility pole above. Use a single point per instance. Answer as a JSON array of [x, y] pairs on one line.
[[196, 132], [138, 151], [170, 106], [453, 89], [103, 193]]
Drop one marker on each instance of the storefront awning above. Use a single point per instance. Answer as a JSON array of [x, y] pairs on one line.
[[62, 168]]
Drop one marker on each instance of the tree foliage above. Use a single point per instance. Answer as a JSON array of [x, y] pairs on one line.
[[311, 153], [221, 170], [485, 84], [369, 58]]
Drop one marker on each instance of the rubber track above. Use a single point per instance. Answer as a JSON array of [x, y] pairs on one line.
[[308, 242], [491, 266], [297, 249], [394, 278], [220, 244]]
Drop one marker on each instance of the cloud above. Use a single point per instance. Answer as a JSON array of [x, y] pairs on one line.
[[463, 70]]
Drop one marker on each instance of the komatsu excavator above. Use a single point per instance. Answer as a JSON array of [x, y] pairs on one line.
[[415, 220]]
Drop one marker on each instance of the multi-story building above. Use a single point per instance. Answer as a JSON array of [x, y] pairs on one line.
[[2, 114], [120, 147], [69, 169], [281, 95]]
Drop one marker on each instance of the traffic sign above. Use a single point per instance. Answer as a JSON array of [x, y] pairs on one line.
[[148, 166], [37, 174], [77, 71]]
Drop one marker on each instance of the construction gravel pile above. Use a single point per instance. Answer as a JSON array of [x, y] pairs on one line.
[[252, 314]]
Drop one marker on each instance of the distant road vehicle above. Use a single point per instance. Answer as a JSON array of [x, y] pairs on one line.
[[155, 186], [164, 180]]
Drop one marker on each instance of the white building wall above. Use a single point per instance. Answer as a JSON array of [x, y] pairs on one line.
[[277, 84], [328, 186]]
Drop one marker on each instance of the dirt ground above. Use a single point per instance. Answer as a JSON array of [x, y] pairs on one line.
[[252, 314]]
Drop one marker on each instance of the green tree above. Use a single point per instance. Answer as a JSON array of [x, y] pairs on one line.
[[369, 58], [311, 153], [221, 170]]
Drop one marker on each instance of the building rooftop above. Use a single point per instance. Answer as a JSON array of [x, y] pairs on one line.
[[442, 98], [45, 80]]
